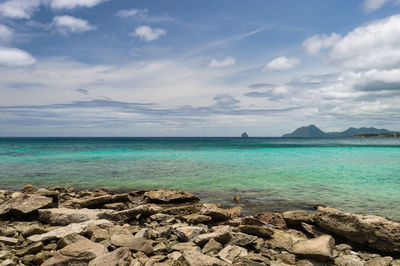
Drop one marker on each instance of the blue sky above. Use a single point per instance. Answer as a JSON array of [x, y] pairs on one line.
[[197, 68]]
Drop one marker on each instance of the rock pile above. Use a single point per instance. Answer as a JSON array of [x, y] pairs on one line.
[[59, 226]]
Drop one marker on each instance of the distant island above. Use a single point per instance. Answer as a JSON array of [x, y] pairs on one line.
[[244, 135], [313, 131], [386, 135]]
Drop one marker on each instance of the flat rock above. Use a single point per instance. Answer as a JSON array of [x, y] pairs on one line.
[[187, 233], [119, 257], [222, 236], [260, 231], [216, 213], [379, 261], [185, 246], [349, 260], [69, 239], [97, 202], [64, 216], [373, 231], [284, 239], [169, 196], [241, 239], [61, 232], [8, 240], [230, 253], [297, 217], [143, 210], [196, 218], [320, 248], [195, 258], [212, 246], [31, 249], [272, 218], [24, 205], [33, 229], [133, 243]]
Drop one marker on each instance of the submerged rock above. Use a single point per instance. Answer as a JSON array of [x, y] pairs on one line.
[[373, 231]]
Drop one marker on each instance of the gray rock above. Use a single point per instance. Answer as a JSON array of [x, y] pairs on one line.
[[187, 233], [284, 239], [8, 262], [61, 232], [320, 248], [373, 231], [23, 206], [119, 257], [8, 240], [169, 196], [231, 253], [8, 231], [64, 216], [195, 258]]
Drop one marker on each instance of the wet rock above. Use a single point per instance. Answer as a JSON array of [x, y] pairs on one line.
[[222, 236], [195, 258], [69, 239], [235, 212], [119, 257], [187, 233], [211, 246], [216, 213], [272, 218], [379, 261], [320, 248], [169, 196], [240, 239], [25, 205], [196, 218], [61, 232], [31, 249], [349, 260], [28, 188], [143, 210], [373, 231], [64, 216], [230, 253], [237, 198], [297, 217], [260, 231], [8, 240]]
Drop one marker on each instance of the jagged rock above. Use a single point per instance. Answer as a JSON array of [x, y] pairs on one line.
[[222, 236], [211, 246], [349, 260], [240, 239], [69, 239], [33, 229], [8, 240], [133, 243], [64, 216], [216, 213], [284, 239], [28, 188], [61, 232], [100, 235], [119, 257], [8, 231], [159, 217], [379, 261], [169, 196], [31, 249], [260, 231], [127, 215], [185, 246], [187, 233], [195, 258], [320, 248], [249, 220], [231, 253], [23, 206], [196, 218], [297, 217], [311, 229], [79, 253], [160, 247], [373, 231], [272, 218]]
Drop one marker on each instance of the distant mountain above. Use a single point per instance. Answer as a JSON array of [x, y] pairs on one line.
[[244, 135], [312, 131]]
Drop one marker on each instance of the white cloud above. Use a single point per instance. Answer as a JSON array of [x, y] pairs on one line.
[[69, 4], [228, 61], [5, 34], [148, 34], [19, 9], [316, 43], [13, 57], [69, 24], [130, 12], [281, 63], [374, 46], [372, 5]]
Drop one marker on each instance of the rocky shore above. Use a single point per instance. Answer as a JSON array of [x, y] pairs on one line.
[[59, 226]]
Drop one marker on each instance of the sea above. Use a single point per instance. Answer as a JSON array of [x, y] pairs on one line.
[[360, 175]]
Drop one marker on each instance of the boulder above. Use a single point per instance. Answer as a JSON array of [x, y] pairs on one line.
[[196, 218], [169, 196], [64, 216], [119, 257], [373, 231], [349, 260], [284, 239], [272, 218], [260, 231], [195, 258], [28, 188], [97, 202], [23, 206], [320, 248], [230, 253], [297, 217], [133, 243], [216, 213], [187, 233], [311, 229], [61, 232]]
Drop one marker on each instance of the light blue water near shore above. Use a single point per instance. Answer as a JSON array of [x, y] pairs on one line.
[[358, 175]]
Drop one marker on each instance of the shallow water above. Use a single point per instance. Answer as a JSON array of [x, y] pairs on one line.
[[358, 175]]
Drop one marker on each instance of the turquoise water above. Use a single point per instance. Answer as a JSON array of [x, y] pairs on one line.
[[358, 175]]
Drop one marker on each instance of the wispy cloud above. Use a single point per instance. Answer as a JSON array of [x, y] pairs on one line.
[[281, 63], [68, 24], [228, 61], [148, 33]]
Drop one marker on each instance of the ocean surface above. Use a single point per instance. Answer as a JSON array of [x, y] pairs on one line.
[[270, 174]]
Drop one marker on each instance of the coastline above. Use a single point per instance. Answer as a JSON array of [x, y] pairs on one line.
[[171, 227]]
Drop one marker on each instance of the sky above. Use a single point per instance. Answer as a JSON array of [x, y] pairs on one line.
[[197, 67]]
